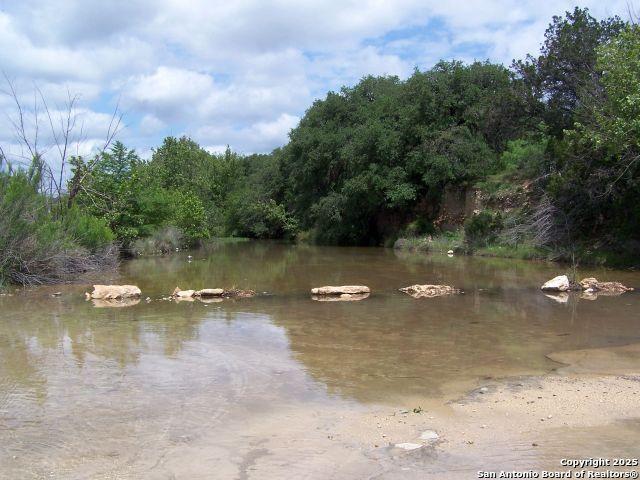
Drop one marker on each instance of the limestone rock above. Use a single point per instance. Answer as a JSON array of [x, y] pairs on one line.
[[178, 293], [210, 292], [345, 297], [111, 292], [344, 289], [557, 284], [420, 291], [592, 285], [237, 293]]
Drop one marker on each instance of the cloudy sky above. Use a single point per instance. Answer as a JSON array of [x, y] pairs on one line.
[[242, 72]]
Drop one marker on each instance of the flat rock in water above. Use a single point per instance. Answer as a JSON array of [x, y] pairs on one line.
[[110, 292], [237, 293], [592, 285], [420, 291], [557, 284], [345, 297], [344, 289], [210, 292], [184, 293]]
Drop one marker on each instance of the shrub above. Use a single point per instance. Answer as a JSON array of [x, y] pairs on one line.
[[88, 231], [161, 241], [190, 217], [249, 217], [482, 228], [36, 247]]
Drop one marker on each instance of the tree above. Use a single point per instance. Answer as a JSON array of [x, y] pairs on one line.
[[566, 69]]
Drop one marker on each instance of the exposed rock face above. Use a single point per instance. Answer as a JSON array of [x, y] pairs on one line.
[[557, 284], [345, 297], [420, 291], [344, 289], [111, 292], [592, 285]]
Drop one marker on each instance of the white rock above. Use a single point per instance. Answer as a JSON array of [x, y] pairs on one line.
[[110, 292], [349, 289], [178, 293], [210, 292], [557, 284], [408, 446], [429, 435]]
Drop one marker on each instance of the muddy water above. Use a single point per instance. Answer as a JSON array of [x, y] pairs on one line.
[[181, 390]]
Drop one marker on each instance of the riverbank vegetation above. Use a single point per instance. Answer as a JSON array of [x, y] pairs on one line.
[[538, 159]]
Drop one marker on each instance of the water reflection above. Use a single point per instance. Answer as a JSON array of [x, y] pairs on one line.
[[73, 375]]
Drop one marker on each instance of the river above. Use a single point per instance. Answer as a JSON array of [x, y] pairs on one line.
[[279, 384]]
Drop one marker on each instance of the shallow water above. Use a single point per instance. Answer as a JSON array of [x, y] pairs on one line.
[[89, 392]]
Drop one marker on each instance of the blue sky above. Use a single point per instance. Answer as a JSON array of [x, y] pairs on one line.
[[240, 73]]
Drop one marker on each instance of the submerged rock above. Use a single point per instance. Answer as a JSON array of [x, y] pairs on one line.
[[344, 289], [592, 285], [557, 284], [420, 291], [111, 292], [345, 297]]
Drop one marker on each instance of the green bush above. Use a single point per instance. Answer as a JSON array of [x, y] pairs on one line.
[[482, 229], [190, 217], [247, 217], [163, 240], [420, 226], [88, 231]]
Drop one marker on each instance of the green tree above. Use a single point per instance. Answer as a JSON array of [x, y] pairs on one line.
[[565, 71]]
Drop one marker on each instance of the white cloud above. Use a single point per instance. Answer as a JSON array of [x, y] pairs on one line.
[[151, 124], [243, 72]]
